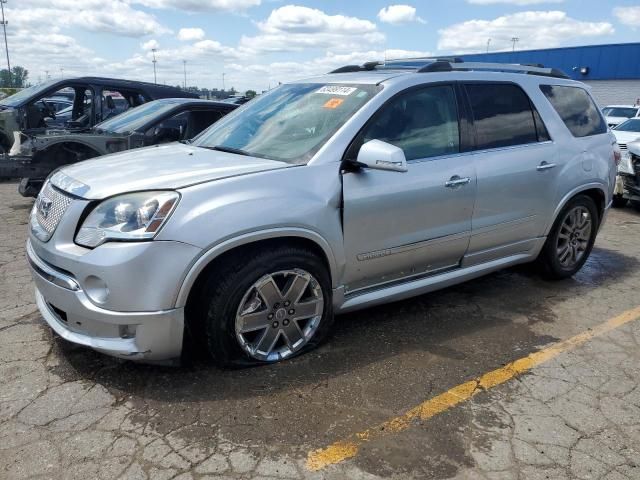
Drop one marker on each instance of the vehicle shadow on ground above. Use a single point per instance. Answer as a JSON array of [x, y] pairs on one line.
[[490, 316]]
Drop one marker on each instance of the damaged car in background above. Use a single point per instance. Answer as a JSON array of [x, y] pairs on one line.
[[628, 182], [93, 100], [35, 156]]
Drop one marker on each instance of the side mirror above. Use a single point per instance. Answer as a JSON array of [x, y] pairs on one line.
[[379, 155], [111, 105]]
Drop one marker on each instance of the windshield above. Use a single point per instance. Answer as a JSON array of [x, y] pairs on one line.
[[288, 124], [620, 112], [26, 93], [136, 118], [632, 125]]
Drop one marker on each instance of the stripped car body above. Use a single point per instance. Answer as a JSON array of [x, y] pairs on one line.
[[28, 111], [35, 156]]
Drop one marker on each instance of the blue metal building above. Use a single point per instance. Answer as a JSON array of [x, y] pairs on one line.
[[613, 71]]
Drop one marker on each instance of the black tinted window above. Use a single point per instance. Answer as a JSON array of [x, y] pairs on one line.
[[502, 115], [576, 108], [423, 123]]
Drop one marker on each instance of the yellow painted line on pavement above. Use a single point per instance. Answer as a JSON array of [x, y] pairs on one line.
[[348, 448]]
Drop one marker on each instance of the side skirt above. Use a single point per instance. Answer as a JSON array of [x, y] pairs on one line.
[[419, 286]]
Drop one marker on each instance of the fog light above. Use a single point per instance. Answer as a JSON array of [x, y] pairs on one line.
[[96, 289], [127, 331]]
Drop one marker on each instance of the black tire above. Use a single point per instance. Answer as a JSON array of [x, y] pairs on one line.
[[619, 201], [226, 286], [548, 258]]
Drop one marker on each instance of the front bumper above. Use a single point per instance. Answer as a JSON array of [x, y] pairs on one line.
[[148, 336]]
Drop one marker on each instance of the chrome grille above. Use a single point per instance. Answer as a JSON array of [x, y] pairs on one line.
[[49, 209], [623, 146]]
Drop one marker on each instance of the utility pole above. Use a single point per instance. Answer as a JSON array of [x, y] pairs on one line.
[[488, 43], [154, 50], [514, 40], [61, 72], [184, 64], [223, 74], [46, 75], [6, 45]]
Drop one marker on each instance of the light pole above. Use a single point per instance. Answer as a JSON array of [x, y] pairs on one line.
[[514, 40], [184, 64], [61, 72], [6, 45], [153, 51], [488, 43], [223, 74]]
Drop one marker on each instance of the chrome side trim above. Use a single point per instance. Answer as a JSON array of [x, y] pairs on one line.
[[411, 246], [49, 273]]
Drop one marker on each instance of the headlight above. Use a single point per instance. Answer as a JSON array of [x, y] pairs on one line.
[[133, 216]]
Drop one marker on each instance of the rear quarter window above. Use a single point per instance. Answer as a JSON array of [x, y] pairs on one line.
[[576, 108]]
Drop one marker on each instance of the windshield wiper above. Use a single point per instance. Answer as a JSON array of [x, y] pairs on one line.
[[222, 148]]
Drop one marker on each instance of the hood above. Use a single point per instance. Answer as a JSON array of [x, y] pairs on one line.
[[615, 120], [165, 167], [625, 137], [634, 148]]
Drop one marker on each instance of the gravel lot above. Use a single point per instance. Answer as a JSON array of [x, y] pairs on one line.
[[67, 412]]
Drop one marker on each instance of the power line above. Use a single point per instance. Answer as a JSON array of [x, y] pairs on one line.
[[184, 64], [6, 45], [155, 78]]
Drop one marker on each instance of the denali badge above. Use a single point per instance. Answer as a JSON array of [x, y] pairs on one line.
[[44, 206]]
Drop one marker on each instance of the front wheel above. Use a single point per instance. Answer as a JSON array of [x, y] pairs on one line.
[[267, 306], [571, 239]]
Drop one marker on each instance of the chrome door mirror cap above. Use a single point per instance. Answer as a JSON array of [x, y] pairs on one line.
[[379, 155]]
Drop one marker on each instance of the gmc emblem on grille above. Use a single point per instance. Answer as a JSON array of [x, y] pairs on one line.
[[44, 206]]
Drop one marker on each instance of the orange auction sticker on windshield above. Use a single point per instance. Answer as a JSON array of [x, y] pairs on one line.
[[333, 103]]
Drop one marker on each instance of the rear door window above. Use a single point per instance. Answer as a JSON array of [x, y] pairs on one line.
[[576, 108], [502, 115]]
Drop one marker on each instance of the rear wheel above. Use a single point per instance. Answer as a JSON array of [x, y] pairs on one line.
[[266, 308], [571, 239]]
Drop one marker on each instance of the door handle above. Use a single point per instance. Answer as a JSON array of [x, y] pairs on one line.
[[545, 166], [457, 181]]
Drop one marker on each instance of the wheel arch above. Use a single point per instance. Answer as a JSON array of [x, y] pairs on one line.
[[263, 239], [595, 191]]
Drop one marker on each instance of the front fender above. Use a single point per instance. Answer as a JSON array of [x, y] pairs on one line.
[[303, 202], [211, 254]]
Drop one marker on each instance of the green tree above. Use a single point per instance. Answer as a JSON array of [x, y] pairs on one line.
[[20, 76], [5, 78], [250, 93]]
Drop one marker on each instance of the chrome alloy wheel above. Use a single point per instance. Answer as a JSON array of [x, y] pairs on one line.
[[574, 236], [279, 314]]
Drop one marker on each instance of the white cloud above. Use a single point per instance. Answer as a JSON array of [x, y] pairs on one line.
[[293, 27], [201, 5], [150, 45], [190, 34], [628, 15], [520, 3], [534, 30], [115, 17], [399, 14]]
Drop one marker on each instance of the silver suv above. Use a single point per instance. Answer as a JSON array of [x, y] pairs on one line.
[[367, 185]]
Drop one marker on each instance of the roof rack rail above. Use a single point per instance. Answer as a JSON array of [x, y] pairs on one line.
[[453, 64], [538, 69]]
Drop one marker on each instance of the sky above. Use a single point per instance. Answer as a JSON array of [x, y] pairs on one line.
[[258, 43]]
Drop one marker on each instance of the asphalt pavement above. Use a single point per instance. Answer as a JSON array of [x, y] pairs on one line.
[[505, 377]]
